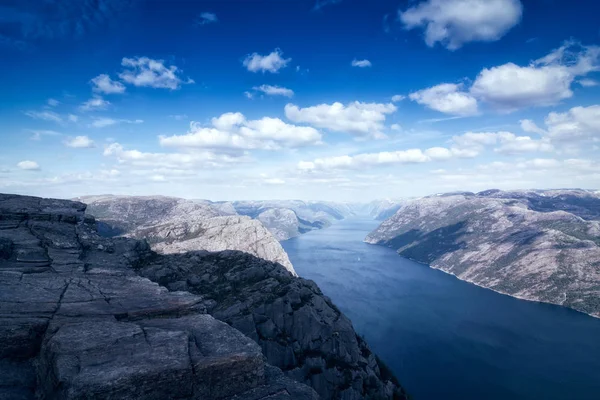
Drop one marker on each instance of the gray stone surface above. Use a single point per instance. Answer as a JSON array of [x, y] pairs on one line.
[[77, 321], [299, 329], [89, 317], [534, 245], [173, 225]]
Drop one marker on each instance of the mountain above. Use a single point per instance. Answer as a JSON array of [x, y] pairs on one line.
[[174, 225], [290, 218], [85, 316], [535, 245], [385, 208]]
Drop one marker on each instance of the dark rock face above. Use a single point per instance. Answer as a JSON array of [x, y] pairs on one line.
[[534, 245], [299, 329], [77, 321]]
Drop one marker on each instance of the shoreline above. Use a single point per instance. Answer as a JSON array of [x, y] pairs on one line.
[[485, 287]]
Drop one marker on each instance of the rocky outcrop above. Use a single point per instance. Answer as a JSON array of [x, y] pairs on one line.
[[173, 225], [525, 243], [290, 218], [383, 209], [299, 329], [77, 321]]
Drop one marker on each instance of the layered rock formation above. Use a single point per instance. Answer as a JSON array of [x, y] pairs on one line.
[[535, 245], [173, 225], [291, 218], [78, 321]]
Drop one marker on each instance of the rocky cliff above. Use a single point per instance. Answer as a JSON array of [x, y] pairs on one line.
[[290, 218], [534, 245], [173, 225], [78, 321]]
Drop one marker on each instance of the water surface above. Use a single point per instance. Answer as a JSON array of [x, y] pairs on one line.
[[445, 338]]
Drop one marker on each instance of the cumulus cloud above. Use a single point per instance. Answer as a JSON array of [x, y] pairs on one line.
[[588, 82], [80, 142], [232, 131], [144, 71], [274, 90], [544, 82], [175, 161], [471, 144], [28, 165], [361, 119], [361, 63], [45, 115], [272, 62], [103, 84], [456, 22], [206, 18], [365, 160], [447, 98], [95, 103], [579, 123], [397, 98]]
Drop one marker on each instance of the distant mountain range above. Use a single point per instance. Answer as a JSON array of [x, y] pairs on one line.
[[535, 245]]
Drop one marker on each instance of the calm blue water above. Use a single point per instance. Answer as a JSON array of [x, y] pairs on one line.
[[448, 339]]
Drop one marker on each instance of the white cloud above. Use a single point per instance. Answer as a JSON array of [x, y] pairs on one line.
[[588, 82], [272, 62], [95, 103], [28, 165], [439, 153], [544, 82], [38, 133], [52, 102], [249, 95], [456, 22], [274, 90], [397, 98], [412, 156], [447, 98], [578, 123], [144, 71], [80, 142], [471, 144], [103, 84], [233, 131], [395, 127], [178, 117], [361, 63], [73, 118], [104, 122], [44, 115], [361, 119], [176, 161], [206, 18]]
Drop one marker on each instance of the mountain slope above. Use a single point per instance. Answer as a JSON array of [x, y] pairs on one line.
[[518, 243], [291, 218], [78, 321], [173, 225]]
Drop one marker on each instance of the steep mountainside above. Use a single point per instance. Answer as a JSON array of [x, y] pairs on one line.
[[382, 209], [77, 321], [520, 243], [290, 218], [173, 225]]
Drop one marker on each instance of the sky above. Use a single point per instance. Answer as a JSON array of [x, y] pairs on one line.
[[341, 100]]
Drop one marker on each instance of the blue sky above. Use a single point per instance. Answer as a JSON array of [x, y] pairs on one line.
[[336, 100]]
